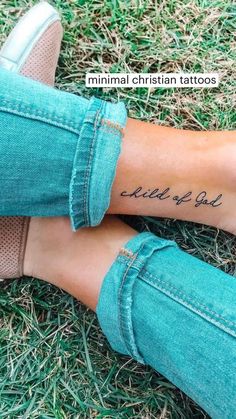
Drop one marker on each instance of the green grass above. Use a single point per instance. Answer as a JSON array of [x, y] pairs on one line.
[[54, 360]]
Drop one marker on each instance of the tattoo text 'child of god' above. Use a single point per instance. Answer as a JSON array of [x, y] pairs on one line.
[[198, 200]]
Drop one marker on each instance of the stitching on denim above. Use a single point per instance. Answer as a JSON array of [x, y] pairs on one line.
[[139, 260], [127, 253], [182, 297], [131, 261], [111, 124], [27, 108], [109, 130], [40, 117], [71, 191], [88, 170], [86, 175], [73, 176], [131, 342], [87, 120], [119, 298], [174, 293]]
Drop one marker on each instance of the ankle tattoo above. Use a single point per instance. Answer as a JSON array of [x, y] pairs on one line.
[[198, 199]]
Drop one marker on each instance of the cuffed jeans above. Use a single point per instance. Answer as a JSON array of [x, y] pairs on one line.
[[58, 151], [58, 156], [177, 314]]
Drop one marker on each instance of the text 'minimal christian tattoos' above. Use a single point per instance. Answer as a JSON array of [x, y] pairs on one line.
[[198, 199]]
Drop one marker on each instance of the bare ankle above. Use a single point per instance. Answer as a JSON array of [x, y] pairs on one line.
[[76, 262], [45, 245]]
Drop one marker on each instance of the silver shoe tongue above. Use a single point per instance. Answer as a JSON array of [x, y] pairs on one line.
[[27, 32]]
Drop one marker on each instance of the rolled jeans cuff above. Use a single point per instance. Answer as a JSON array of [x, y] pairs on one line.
[[58, 151], [169, 310], [97, 152], [117, 291]]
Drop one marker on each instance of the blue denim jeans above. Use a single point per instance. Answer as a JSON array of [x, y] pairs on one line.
[[58, 156], [58, 151], [177, 314]]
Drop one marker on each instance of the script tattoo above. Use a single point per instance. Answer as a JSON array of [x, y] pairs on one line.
[[201, 199], [152, 194], [198, 200]]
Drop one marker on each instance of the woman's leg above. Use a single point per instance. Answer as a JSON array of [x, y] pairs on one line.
[[176, 173], [58, 151], [62, 151], [55, 253], [157, 304]]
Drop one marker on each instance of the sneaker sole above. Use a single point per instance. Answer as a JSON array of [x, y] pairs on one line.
[[28, 31]]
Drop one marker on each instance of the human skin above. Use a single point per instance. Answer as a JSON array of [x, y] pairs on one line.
[[77, 261], [174, 173], [152, 158]]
